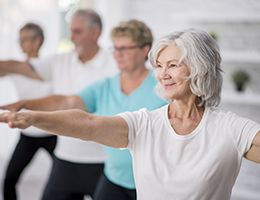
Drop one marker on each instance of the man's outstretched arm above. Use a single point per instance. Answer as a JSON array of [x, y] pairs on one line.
[[49, 103]]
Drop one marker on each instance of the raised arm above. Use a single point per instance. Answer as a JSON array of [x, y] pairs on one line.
[[254, 152], [16, 67], [110, 131], [49, 103]]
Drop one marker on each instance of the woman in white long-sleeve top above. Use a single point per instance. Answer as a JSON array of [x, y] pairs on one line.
[[188, 149]]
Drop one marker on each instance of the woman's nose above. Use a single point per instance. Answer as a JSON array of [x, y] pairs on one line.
[[164, 73]]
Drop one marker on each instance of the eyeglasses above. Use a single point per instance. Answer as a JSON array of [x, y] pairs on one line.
[[124, 49]]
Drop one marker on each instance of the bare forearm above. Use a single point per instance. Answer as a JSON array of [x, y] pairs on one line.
[[17, 67], [49, 103], [7, 66], [79, 124], [111, 131], [72, 123], [254, 152]]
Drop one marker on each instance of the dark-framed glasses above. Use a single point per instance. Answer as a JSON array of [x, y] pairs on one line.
[[124, 49]]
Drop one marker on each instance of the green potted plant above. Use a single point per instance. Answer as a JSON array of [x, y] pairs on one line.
[[240, 79], [214, 35]]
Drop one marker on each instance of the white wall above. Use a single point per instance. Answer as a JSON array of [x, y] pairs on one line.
[[237, 23], [13, 14], [7, 136]]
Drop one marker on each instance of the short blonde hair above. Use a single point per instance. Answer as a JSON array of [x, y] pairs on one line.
[[138, 31]]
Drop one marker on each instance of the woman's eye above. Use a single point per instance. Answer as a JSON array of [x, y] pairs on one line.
[[158, 66], [173, 65]]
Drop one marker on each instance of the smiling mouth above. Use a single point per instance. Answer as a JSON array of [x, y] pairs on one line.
[[169, 85]]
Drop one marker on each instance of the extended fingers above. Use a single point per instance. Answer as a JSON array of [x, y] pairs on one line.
[[3, 107], [11, 107], [6, 107]]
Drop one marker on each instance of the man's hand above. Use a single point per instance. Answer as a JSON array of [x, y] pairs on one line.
[[14, 107], [16, 120]]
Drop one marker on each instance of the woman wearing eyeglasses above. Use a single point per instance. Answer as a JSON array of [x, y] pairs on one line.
[[129, 90], [188, 149]]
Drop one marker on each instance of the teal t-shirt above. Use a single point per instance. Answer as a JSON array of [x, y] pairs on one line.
[[106, 98]]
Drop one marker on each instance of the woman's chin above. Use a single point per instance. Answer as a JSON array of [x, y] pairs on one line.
[[165, 96], [121, 67], [168, 97]]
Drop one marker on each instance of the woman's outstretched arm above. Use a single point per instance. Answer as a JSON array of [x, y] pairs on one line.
[[254, 152], [110, 131]]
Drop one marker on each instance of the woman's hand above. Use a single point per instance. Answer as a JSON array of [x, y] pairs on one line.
[[14, 107], [17, 120]]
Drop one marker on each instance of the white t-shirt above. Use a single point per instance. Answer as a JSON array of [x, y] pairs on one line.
[[68, 75], [202, 165], [28, 88]]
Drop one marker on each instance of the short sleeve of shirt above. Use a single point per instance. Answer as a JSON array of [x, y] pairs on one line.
[[243, 131], [137, 121], [90, 95], [43, 66]]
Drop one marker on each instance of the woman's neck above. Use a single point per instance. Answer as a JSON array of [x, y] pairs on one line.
[[186, 109], [185, 117], [131, 80], [33, 54]]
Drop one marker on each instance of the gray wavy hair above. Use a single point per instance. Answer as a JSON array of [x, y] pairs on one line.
[[200, 53]]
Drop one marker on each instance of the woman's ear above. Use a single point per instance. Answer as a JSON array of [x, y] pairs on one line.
[[146, 50]]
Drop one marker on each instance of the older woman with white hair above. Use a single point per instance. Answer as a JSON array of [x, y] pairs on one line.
[[188, 149]]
